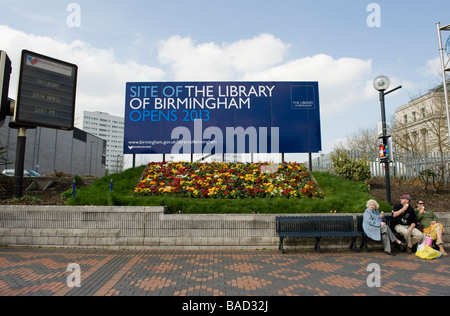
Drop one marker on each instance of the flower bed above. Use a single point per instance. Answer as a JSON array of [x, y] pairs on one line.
[[227, 180]]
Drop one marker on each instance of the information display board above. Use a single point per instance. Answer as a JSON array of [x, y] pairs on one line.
[[222, 117], [46, 92]]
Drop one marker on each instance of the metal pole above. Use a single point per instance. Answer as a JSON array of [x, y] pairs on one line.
[[310, 162], [386, 164], [444, 77], [90, 160], [20, 162]]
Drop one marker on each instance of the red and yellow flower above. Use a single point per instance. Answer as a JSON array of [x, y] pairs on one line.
[[227, 180]]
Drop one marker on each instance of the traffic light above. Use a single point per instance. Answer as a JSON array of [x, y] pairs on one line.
[[384, 153], [5, 75], [386, 149]]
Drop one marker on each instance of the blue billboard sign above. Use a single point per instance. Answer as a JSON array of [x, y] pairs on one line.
[[222, 117]]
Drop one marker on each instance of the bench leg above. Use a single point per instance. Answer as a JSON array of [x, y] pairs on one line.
[[364, 243], [317, 246], [280, 247], [353, 244]]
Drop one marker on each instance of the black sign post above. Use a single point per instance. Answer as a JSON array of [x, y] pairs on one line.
[[45, 98], [20, 158]]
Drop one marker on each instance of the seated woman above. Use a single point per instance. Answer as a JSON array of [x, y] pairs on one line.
[[376, 229], [430, 225]]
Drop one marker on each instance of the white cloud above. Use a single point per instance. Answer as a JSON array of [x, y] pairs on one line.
[[432, 68], [229, 61], [344, 83], [101, 77]]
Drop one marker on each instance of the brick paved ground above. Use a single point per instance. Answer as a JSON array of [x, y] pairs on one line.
[[44, 272]]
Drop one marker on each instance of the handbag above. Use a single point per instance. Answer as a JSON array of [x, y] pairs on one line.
[[428, 241]]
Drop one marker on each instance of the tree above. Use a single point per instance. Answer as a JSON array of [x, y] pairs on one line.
[[3, 162], [3, 152], [364, 140]]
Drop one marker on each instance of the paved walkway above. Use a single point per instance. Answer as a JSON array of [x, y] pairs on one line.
[[47, 272]]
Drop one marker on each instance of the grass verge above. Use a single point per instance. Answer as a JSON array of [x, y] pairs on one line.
[[341, 195]]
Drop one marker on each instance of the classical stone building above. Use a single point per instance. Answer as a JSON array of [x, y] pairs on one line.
[[421, 124]]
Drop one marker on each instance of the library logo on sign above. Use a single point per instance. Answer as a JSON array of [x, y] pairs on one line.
[[303, 97]]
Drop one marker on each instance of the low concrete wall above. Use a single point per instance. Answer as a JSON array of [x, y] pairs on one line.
[[147, 228]]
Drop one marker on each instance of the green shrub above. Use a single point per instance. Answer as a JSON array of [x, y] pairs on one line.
[[67, 194], [349, 168], [78, 180]]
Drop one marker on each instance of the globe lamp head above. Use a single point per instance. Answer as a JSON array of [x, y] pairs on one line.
[[381, 83]]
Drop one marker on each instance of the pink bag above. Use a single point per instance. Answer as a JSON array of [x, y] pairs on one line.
[[429, 241]]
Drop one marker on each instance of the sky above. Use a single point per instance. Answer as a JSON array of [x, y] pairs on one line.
[[344, 45]]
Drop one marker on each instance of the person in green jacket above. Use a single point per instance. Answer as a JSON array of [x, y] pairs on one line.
[[430, 224]]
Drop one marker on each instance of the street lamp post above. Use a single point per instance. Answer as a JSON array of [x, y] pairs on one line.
[[381, 84], [444, 70]]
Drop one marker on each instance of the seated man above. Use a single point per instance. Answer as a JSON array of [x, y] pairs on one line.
[[405, 222]]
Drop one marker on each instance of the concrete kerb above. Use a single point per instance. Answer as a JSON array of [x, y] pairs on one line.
[[149, 228]]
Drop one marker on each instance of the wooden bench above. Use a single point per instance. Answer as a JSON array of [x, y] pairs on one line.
[[316, 227]]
